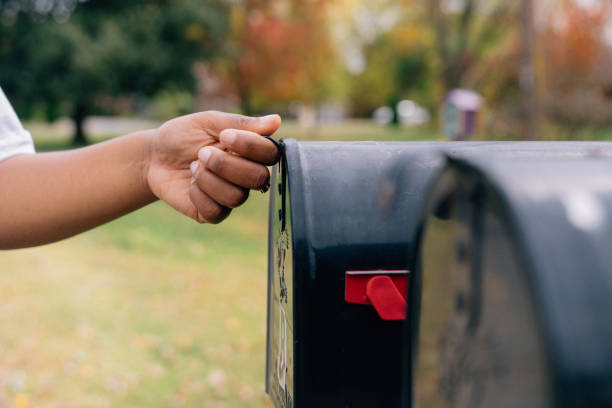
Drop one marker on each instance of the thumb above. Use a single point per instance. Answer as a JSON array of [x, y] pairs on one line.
[[264, 125]]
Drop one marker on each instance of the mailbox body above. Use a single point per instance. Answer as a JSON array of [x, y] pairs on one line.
[[331, 212], [511, 296]]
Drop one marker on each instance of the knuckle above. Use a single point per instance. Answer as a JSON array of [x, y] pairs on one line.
[[196, 212], [237, 197], [207, 211], [207, 116], [248, 146], [274, 156], [211, 114], [244, 122], [216, 162], [261, 176], [201, 219], [218, 214]]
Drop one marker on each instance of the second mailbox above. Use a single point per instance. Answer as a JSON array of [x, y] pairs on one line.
[[511, 297]]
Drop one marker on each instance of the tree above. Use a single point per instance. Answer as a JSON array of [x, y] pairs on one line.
[[385, 47], [490, 46], [466, 32], [279, 52], [67, 57], [398, 66], [526, 73], [578, 82]]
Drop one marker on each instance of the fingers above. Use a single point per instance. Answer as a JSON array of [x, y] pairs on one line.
[[208, 210], [223, 192], [250, 145], [217, 121], [213, 195], [222, 180], [235, 169]]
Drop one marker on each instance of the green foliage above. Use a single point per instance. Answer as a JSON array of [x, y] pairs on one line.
[[103, 49], [465, 37], [394, 71], [169, 103]]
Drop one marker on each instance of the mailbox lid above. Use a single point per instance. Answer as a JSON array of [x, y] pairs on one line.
[[340, 217], [557, 213], [359, 197]]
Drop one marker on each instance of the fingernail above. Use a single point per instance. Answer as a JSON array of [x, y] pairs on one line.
[[192, 180], [194, 167], [228, 137], [204, 154]]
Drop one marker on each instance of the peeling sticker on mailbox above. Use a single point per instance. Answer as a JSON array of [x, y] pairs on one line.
[[279, 376]]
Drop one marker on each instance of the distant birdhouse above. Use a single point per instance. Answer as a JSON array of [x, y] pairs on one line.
[[459, 116]]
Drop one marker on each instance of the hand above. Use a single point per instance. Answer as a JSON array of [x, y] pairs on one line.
[[204, 164]]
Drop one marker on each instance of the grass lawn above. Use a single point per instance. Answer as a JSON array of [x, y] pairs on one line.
[[151, 310]]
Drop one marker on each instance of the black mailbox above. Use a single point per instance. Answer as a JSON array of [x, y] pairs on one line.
[[345, 230], [511, 302], [338, 270]]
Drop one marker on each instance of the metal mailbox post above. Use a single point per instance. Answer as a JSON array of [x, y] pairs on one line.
[[511, 301]]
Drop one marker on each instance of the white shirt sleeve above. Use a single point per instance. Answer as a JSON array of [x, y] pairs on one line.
[[14, 139]]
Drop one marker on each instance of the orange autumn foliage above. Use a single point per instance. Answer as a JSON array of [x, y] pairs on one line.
[[576, 83], [282, 55], [573, 41]]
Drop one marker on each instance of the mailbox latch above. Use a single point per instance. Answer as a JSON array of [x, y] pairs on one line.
[[386, 290]]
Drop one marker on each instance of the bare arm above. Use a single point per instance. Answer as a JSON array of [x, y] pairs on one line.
[[50, 196]]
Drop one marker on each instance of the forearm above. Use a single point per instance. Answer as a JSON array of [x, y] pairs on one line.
[[50, 196]]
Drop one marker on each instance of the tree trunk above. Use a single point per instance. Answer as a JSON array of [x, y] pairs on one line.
[[440, 27], [393, 102], [526, 74], [81, 111], [453, 58], [245, 96]]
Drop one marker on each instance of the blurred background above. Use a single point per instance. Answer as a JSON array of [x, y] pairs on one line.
[[153, 310]]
